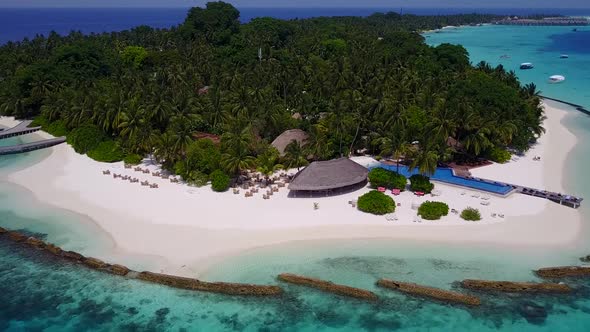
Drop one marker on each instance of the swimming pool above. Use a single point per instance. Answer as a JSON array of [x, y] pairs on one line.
[[446, 175]]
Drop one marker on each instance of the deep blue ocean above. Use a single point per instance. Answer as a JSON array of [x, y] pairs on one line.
[[16, 24]]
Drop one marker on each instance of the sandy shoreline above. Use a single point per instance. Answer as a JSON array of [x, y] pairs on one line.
[[192, 227]]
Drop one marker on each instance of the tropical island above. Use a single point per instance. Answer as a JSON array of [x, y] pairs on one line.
[[254, 110]]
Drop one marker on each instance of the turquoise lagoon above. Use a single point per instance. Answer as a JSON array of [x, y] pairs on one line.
[[38, 293]]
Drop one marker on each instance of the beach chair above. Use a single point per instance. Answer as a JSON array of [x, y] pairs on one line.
[[485, 203]]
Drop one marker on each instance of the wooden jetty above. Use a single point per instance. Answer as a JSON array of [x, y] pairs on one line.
[[562, 199], [567, 200], [27, 147], [18, 130]]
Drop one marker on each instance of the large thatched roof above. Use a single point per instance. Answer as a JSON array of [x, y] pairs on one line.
[[327, 175], [281, 142]]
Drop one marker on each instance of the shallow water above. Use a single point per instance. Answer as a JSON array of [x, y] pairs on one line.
[[39, 293]]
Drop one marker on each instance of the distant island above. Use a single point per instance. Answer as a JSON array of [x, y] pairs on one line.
[[545, 21]]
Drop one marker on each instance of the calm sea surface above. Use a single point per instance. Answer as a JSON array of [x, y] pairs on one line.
[[16, 24], [39, 293]]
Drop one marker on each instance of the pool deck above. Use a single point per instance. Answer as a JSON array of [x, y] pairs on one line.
[[562, 199]]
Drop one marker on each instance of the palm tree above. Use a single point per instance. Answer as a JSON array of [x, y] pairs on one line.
[[267, 162], [295, 155], [235, 143], [164, 149], [236, 160], [426, 161], [531, 90], [317, 145]]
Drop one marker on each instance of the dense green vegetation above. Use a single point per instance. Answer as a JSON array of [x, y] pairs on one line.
[[107, 151], [471, 214], [380, 177], [433, 210], [421, 183], [220, 181], [132, 159], [376, 203], [351, 83], [499, 155]]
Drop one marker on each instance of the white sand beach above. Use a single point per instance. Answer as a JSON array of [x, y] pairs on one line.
[[190, 226]]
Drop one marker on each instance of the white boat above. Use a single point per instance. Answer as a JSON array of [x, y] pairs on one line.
[[556, 79], [564, 56], [526, 65]]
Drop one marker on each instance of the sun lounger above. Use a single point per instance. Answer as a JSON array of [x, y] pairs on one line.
[[486, 203]]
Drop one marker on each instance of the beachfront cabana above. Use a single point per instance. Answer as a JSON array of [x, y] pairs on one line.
[[330, 177], [288, 136]]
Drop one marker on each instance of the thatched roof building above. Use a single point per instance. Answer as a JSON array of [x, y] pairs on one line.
[[339, 175], [288, 136]]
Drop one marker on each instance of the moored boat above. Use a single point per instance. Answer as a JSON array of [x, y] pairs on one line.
[[556, 79], [526, 65]]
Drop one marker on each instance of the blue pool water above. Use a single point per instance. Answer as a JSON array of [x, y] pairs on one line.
[[446, 175]]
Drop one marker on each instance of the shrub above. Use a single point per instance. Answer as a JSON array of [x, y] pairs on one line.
[[433, 210], [219, 181], [376, 203], [56, 128], [380, 177], [132, 159], [107, 151], [499, 155], [471, 214], [421, 183], [86, 138]]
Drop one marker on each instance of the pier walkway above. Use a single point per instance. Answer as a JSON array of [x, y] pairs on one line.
[[27, 147], [562, 199], [567, 200], [18, 130]]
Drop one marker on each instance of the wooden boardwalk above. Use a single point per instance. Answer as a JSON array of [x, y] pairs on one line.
[[18, 130], [27, 147], [567, 200]]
